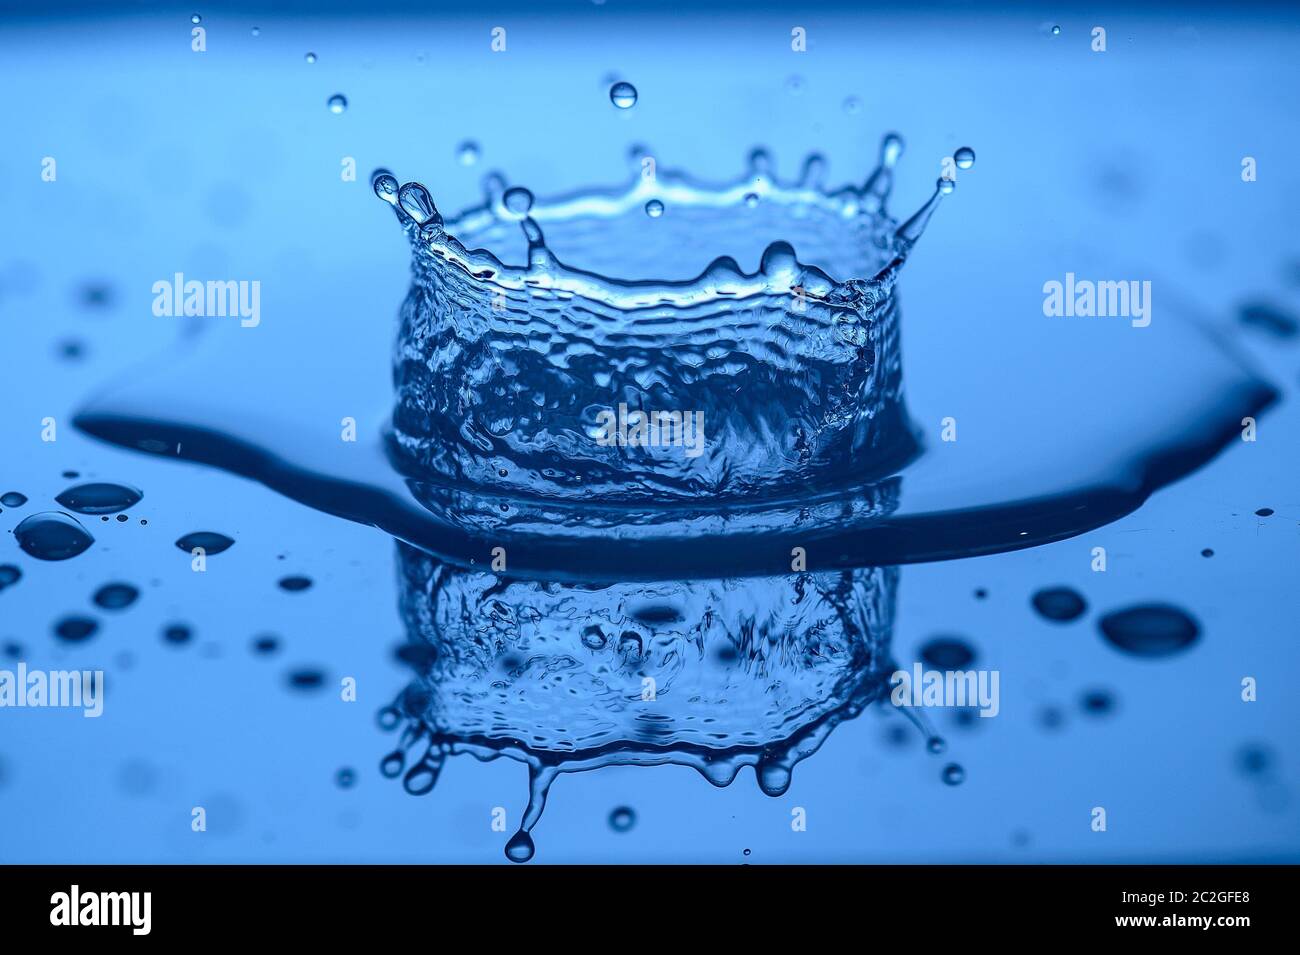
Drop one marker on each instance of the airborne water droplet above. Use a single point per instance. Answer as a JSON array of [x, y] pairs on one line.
[[337, 103], [518, 200], [196, 19], [954, 775], [310, 57], [116, 596], [623, 95], [467, 152], [1056, 31], [654, 208], [1060, 604], [964, 157], [946, 186], [1150, 630], [52, 535], [622, 818]]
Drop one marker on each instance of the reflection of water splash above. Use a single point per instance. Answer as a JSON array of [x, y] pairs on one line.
[[503, 372], [716, 674]]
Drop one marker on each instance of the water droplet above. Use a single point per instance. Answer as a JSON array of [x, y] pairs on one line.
[[1150, 630], [337, 103], [520, 848], [946, 186], [1056, 31], [310, 57], [1207, 552], [794, 85], [177, 633], [654, 208], [1269, 319], [1097, 702], [1254, 759], [306, 678], [1060, 604], [210, 541], [954, 775], [346, 778], [622, 818], [52, 535], [99, 498], [751, 199], [964, 157], [257, 31], [623, 95], [467, 152], [295, 583], [518, 200], [936, 744], [852, 105], [266, 643], [947, 653], [9, 575], [196, 19], [417, 203], [75, 629], [981, 593], [593, 638], [116, 596], [13, 499], [1264, 512], [891, 147], [385, 185]]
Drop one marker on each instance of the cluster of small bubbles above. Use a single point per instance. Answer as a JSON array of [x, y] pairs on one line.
[[467, 152], [518, 201], [337, 103], [622, 818], [623, 95], [852, 105], [954, 774], [310, 57], [964, 157], [654, 208]]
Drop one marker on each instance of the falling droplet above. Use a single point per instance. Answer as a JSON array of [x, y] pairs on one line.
[[210, 541], [52, 535], [954, 775], [654, 208], [310, 57], [467, 152], [520, 848], [623, 95], [99, 498], [964, 157], [337, 103], [1150, 630], [518, 201]]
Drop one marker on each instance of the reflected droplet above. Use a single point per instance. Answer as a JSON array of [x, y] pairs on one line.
[[52, 535], [337, 103], [623, 95]]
